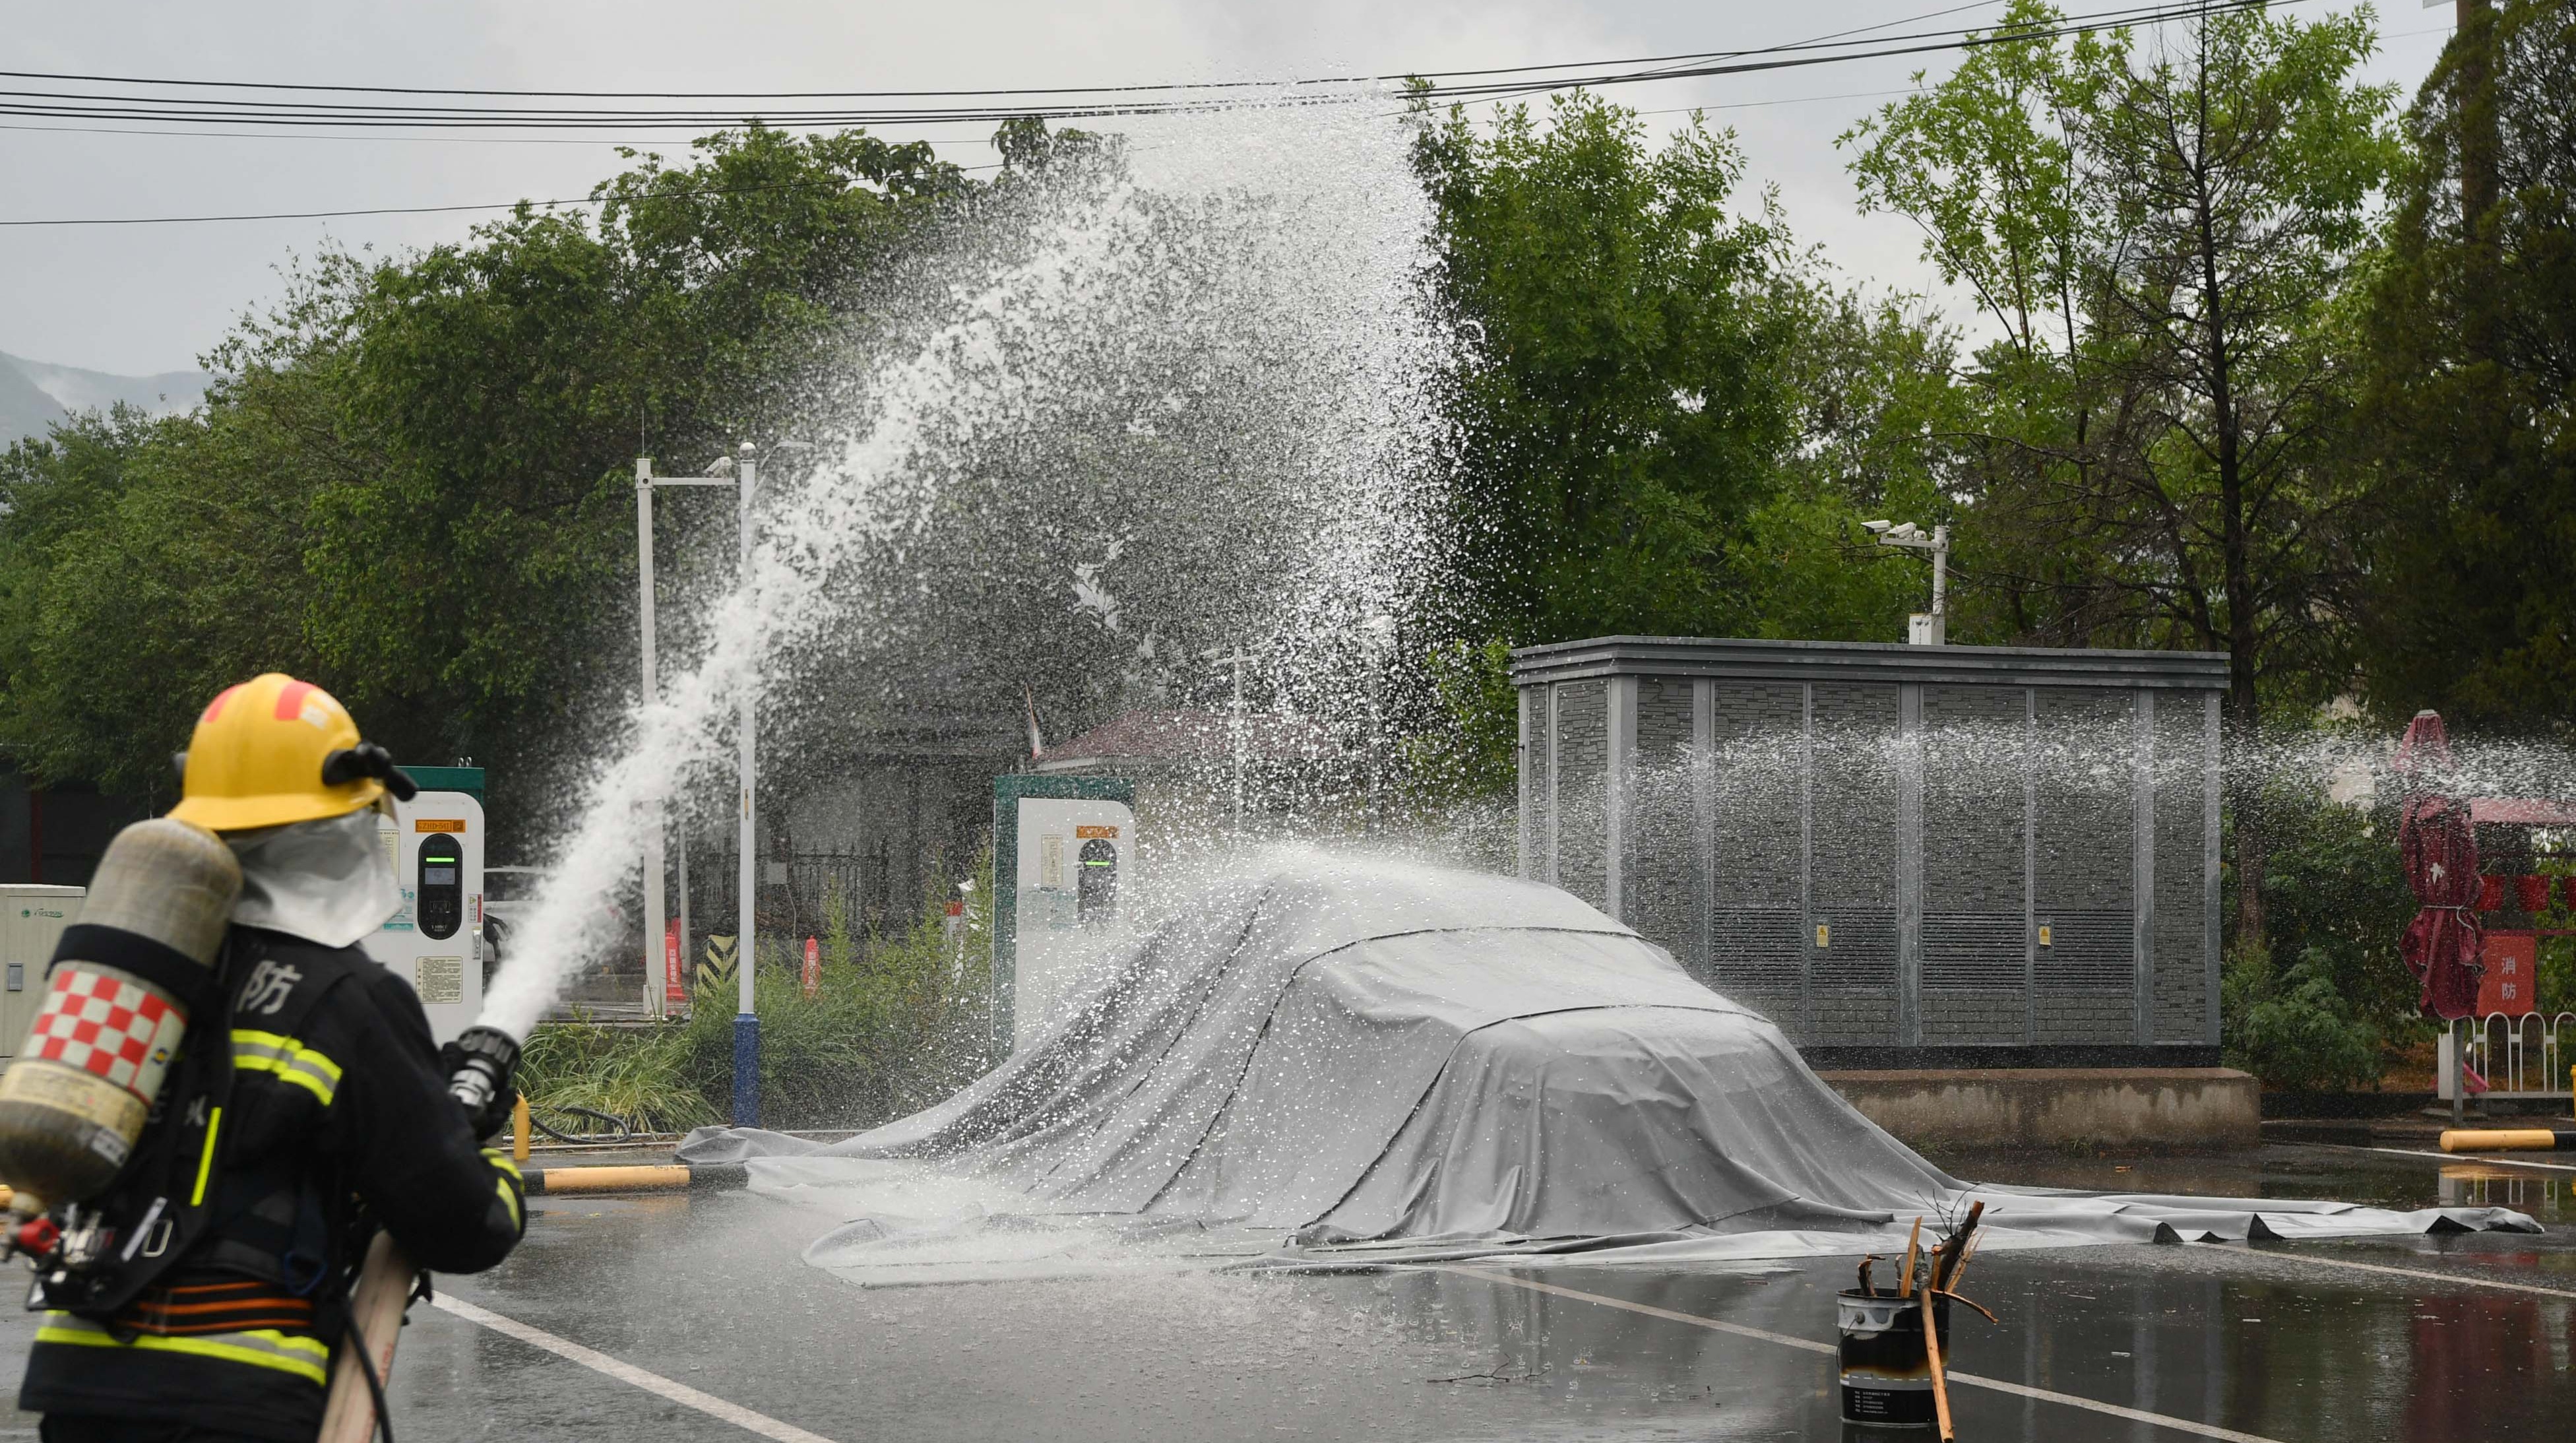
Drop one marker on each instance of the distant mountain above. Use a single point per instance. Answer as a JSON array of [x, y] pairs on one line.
[[35, 394]]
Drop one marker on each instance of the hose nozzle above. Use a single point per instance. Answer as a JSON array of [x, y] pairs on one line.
[[480, 1062]]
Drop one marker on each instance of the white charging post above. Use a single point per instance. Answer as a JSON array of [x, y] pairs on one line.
[[434, 941], [1064, 870]]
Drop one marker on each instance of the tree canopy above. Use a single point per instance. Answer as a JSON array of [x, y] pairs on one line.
[[2467, 344], [2232, 357], [412, 482], [1624, 407]]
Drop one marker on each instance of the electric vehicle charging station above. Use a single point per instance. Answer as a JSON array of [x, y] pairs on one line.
[[434, 940], [1062, 876]]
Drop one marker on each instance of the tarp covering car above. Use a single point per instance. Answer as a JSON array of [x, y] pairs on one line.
[[1378, 1060]]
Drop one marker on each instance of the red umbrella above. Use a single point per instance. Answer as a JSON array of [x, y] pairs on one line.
[[2440, 852], [2426, 748]]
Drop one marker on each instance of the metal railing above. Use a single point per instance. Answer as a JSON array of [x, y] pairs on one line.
[[2523, 1055]]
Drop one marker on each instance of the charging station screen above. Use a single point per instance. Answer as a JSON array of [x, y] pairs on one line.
[[440, 898]]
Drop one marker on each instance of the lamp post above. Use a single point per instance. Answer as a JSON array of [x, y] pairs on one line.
[[653, 924], [1376, 635], [1922, 628], [655, 996], [1238, 730], [746, 1017], [746, 1025]]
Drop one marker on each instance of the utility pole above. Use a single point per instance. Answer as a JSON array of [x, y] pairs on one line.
[[746, 1020], [1237, 728], [655, 1004], [2481, 145], [655, 922], [2480, 140], [1376, 635], [1242, 739]]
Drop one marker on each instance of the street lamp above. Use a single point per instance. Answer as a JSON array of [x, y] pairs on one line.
[[1922, 628], [746, 1025], [1377, 634], [1238, 729], [746, 1019], [656, 1002]]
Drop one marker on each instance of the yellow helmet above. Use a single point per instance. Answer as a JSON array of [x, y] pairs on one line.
[[275, 750]]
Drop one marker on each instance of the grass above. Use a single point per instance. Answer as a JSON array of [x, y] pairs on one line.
[[896, 1023]]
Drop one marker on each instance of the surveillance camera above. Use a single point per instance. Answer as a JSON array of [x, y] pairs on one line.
[[1876, 526]]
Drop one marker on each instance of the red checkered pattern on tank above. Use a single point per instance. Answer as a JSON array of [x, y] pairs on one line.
[[105, 1025]]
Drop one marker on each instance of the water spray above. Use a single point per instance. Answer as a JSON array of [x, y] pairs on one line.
[[1219, 354]]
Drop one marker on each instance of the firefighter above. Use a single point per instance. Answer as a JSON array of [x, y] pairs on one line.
[[332, 1121]]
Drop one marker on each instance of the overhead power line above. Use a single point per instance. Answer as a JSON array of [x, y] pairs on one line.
[[697, 194], [293, 87], [1702, 64], [278, 108]]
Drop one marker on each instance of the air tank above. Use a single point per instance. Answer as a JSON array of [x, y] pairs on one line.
[[75, 1098]]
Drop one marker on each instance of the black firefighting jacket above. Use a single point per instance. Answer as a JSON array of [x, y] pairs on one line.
[[337, 1122]]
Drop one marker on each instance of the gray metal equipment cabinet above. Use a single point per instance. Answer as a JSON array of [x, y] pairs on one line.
[[1904, 855], [32, 919]]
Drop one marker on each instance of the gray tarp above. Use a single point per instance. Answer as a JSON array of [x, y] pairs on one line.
[[1372, 1060]]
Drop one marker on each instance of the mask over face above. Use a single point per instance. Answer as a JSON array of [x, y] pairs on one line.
[[328, 881]]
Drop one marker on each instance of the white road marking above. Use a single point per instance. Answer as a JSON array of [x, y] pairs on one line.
[[2498, 1159], [2464, 1279], [2018, 1390], [680, 1393]]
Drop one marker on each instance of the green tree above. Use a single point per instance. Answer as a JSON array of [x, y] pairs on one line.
[[1878, 411], [2169, 468], [144, 566], [515, 378], [2470, 343], [1622, 411], [413, 482]]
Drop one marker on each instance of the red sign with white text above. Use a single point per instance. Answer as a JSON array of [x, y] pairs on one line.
[[2511, 960]]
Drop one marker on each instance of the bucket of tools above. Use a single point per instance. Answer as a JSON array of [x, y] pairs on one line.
[[1887, 1371]]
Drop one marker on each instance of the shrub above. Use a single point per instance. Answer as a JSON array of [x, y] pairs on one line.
[[898, 1022], [646, 1076], [2294, 1029]]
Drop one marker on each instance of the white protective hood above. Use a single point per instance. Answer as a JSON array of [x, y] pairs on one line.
[[329, 881]]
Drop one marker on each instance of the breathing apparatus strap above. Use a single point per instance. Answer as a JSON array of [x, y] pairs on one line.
[[198, 988], [181, 1140]]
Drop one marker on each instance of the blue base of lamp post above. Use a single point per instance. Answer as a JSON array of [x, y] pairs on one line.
[[746, 1070]]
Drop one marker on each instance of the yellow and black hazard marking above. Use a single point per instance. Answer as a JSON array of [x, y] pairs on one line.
[[716, 968]]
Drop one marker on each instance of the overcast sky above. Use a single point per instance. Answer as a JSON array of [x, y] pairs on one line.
[[139, 299]]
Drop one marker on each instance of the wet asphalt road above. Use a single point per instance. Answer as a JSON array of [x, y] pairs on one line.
[[2281, 1342]]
